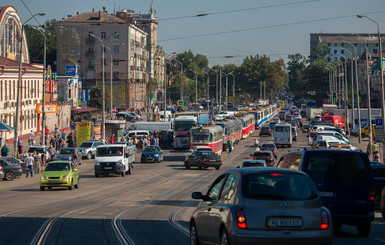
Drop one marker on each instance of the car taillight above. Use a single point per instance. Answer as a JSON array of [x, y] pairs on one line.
[[20, 168], [371, 194], [205, 160], [220, 160], [274, 150], [1, 169], [269, 159], [260, 130], [241, 218], [324, 220]]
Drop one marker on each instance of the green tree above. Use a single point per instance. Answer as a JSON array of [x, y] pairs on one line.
[[296, 66], [316, 79], [35, 41], [319, 52]]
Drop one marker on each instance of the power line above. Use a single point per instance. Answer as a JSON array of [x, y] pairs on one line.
[[236, 10], [266, 27]]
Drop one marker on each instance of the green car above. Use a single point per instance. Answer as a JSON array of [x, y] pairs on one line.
[[59, 174]]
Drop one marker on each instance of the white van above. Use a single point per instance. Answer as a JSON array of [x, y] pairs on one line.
[[138, 133], [334, 133], [113, 159], [168, 116], [283, 134], [152, 126]]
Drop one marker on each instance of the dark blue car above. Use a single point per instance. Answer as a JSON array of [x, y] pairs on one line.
[[152, 153], [344, 180]]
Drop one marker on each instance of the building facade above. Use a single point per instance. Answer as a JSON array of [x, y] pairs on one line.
[[84, 39]]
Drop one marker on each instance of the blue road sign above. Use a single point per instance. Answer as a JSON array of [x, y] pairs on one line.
[[180, 103], [379, 122], [339, 95]]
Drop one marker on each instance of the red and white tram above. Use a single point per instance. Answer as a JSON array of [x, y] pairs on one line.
[[211, 136]]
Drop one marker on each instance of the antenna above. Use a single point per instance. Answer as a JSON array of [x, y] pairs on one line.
[[150, 12]]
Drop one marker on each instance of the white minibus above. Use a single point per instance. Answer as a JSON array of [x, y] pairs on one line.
[[283, 134]]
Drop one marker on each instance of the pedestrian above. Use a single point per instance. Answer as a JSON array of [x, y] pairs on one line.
[[31, 138], [43, 160], [36, 162], [112, 139], [29, 163], [52, 151], [70, 140], [19, 145], [4, 150], [229, 145], [63, 135], [74, 158]]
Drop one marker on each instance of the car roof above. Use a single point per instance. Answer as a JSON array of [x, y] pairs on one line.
[[244, 171], [262, 152]]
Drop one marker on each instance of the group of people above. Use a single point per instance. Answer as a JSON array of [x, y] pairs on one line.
[[162, 139], [35, 163]]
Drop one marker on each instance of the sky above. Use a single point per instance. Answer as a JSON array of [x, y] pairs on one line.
[[231, 28]]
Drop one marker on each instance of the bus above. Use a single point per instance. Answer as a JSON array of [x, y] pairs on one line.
[[283, 134], [211, 136], [183, 122]]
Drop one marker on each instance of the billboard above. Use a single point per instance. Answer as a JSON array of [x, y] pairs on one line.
[[49, 108], [83, 132], [71, 70]]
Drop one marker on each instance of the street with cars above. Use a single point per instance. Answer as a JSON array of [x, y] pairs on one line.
[[171, 196]]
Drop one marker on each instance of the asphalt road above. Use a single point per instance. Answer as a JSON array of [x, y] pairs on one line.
[[151, 206]]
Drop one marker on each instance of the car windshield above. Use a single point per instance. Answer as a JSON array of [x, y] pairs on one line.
[[109, 151], [151, 149], [86, 144], [66, 151], [183, 125], [58, 166], [268, 146], [261, 154], [278, 186], [337, 165], [201, 137], [252, 164], [37, 149]]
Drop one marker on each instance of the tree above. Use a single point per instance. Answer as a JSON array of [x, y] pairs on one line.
[[319, 52], [316, 79], [296, 66], [36, 43]]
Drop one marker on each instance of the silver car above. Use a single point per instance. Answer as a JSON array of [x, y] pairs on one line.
[[88, 149], [66, 154], [261, 206]]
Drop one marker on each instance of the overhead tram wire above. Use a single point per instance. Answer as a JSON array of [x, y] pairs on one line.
[[267, 27], [237, 10]]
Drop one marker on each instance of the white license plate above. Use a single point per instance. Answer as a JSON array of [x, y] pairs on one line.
[[107, 167], [54, 181], [284, 222], [326, 194]]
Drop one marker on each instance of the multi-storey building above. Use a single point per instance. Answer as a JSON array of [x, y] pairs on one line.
[[83, 39]]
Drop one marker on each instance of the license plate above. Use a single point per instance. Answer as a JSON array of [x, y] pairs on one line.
[[282, 139], [284, 222], [107, 167], [326, 194], [54, 181], [213, 160]]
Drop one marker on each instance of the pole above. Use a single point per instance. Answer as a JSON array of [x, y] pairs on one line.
[[220, 88], [181, 79], [216, 87], [369, 106], [104, 98], [165, 91], [358, 103], [345, 91], [111, 86], [227, 92]]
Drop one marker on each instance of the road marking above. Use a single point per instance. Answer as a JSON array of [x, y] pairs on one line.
[[9, 195]]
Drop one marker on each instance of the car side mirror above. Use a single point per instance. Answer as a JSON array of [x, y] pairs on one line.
[[238, 166], [199, 195], [126, 155]]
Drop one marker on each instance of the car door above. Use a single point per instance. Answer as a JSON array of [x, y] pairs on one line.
[[203, 220], [75, 175]]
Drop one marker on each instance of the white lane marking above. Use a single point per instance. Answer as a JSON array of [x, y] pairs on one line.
[[8, 195]]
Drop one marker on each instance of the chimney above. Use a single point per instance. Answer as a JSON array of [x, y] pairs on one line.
[[100, 15]]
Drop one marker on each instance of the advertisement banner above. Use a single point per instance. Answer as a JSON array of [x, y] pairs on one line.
[[71, 70], [49, 108], [83, 132]]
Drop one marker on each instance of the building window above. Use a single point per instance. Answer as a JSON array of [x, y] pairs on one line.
[[116, 62], [342, 51], [14, 89], [10, 89], [329, 59], [5, 90], [328, 44], [355, 45], [103, 36], [335, 51], [335, 45], [116, 35], [342, 44], [101, 62], [376, 44], [103, 49], [91, 37], [90, 48], [116, 49], [375, 51]]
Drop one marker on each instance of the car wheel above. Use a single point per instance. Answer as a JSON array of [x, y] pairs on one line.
[[42, 188], [49, 187], [89, 155], [363, 135], [199, 166], [225, 238], [70, 187], [9, 176], [122, 174], [96, 175], [187, 166], [77, 184], [364, 229], [141, 161], [193, 235], [217, 168]]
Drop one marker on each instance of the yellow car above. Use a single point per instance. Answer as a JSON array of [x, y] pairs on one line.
[[59, 174], [365, 131]]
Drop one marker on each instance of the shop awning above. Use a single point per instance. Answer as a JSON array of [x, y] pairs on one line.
[[5, 127]]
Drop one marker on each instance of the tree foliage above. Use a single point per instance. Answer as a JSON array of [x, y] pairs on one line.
[[296, 66], [35, 41]]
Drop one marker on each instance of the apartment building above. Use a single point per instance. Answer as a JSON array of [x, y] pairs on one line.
[[84, 39]]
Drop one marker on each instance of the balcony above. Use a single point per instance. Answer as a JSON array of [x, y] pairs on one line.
[[90, 54], [90, 67], [90, 40]]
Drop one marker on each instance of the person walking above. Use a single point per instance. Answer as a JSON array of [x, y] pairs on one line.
[[29, 162], [74, 158], [43, 160], [31, 138], [52, 152], [19, 145], [4, 150], [112, 139], [230, 145], [36, 162]]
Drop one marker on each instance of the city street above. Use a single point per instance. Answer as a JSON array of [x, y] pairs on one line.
[[151, 206]]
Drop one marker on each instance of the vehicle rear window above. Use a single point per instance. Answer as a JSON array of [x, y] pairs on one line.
[[252, 164], [337, 165], [278, 186], [262, 154], [268, 145]]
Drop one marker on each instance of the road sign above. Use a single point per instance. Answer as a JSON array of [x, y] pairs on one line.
[[180, 103], [231, 99], [339, 96], [379, 122]]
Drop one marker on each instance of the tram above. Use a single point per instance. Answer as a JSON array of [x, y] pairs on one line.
[[211, 136]]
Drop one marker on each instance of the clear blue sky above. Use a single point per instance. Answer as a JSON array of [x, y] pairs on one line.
[[268, 30]]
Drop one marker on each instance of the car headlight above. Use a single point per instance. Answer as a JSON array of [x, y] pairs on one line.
[[65, 177], [97, 163], [43, 178], [119, 162], [156, 155]]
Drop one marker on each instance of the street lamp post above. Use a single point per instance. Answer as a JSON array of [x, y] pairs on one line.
[[43, 100], [216, 85], [196, 85], [381, 69], [208, 90], [352, 82], [181, 79], [19, 85], [345, 94]]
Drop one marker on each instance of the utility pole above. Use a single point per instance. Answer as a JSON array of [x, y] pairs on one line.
[[369, 106]]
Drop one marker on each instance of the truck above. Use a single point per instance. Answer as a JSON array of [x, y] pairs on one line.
[[183, 122], [336, 120], [310, 104], [152, 126], [312, 112]]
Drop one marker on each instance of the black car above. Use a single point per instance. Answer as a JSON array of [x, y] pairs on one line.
[[383, 203], [378, 180], [126, 116], [265, 131], [268, 156], [305, 128], [17, 161], [10, 170], [203, 159], [269, 147]]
